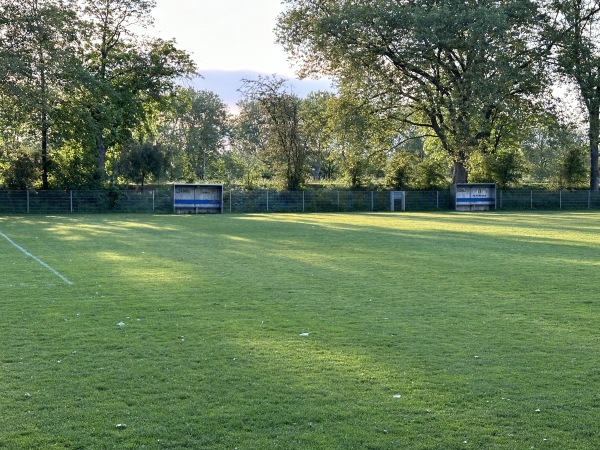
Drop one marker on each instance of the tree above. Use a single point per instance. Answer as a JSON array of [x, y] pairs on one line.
[[125, 71], [141, 162], [576, 32], [547, 146], [15, 141], [455, 68], [248, 139], [361, 138], [400, 170], [572, 169], [315, 111], [73, 167], [85, 80], [282, 125], [194, 133], [431, 173], [506, 167], [206, 128], [39, 42]]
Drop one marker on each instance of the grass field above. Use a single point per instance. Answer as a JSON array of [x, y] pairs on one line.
[[333, 331]]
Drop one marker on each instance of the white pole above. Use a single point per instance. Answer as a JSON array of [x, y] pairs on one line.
[[531, 200], [560, 199]]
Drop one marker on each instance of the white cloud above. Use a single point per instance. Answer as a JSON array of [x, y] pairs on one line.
[[226, 35]]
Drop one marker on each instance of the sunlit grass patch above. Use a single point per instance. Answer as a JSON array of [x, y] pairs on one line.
[[301, 331]]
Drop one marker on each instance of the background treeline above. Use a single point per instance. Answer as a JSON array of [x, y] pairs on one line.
[[426, 93]]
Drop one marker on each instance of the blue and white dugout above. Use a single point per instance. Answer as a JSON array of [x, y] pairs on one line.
[[474, 196], [191, 198]]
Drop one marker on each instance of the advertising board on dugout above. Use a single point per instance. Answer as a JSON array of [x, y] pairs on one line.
[[474, 196], [197, 198]]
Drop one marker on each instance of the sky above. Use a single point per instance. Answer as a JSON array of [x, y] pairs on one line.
[[229, 40], [225, 34]]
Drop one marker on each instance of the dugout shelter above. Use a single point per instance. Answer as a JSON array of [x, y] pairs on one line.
[[191, 198], [474, 196]]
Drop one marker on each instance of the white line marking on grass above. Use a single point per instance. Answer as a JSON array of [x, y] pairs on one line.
[[35, 258]]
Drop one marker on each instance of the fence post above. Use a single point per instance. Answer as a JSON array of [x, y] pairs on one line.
[[153, 200], [371, 201], [531, 199], [71, 200], [267, 200], [27, 201], [230, 201], [302, 201], [589, 199], [437, 199], [560, 199]]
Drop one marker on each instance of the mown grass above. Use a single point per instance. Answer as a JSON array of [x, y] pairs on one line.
[[425, 331]]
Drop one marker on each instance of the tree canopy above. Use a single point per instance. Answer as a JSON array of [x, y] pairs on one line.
[[575, 30], [83, 76], [427, 92], [455, 68]]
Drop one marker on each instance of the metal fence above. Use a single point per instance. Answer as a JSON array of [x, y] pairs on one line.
[[65, 202], [161, 201], [305, 201], [548, 200]]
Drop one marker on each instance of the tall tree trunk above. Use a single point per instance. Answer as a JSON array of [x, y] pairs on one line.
[[45, 185], [459, 172], [594, 136], [44, 117], [100, 157]]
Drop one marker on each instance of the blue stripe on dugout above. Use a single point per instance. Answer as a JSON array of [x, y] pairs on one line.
[[473, 200], [193, 202]]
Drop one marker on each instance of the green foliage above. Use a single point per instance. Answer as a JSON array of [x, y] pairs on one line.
[[38, 64], [406, 170], [573, 168], [361, 138], [573, 30], [193, 132], [466, 82], [452, 68], [280, 122], [400, 170], [141, 162], [556, 155], [82, 76], [21, 171], [316, 111], [248, 141], [506, 168], [431, 173], [73, 167]]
